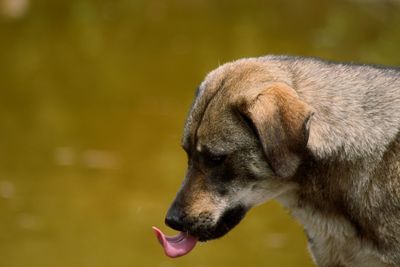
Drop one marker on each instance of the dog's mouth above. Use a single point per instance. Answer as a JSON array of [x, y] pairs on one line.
[[228, 220], [184, 242]]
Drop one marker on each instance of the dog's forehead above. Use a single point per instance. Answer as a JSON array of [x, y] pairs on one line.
[[218, 89], [214, 81], [208, 93], [218, 129]]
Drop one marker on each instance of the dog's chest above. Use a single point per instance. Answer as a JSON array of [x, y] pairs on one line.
[[333, 240]]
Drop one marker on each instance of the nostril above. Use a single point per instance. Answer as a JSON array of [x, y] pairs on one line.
[[175, 218], [174, 222]]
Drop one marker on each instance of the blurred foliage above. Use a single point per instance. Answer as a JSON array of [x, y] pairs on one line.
[[93, 95]]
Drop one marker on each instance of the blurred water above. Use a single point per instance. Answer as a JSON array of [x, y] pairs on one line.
[[93, 95]]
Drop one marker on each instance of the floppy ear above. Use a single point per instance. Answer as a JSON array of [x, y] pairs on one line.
[[281, 121]]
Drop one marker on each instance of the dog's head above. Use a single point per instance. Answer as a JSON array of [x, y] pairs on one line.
[[245, 139]]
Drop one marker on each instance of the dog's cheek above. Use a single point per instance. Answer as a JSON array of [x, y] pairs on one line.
[[257, 193]]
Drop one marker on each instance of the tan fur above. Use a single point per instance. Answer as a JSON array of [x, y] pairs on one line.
[[326, 145], [279, 115]]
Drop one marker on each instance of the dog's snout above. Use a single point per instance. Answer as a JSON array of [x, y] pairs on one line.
[[174, 218]]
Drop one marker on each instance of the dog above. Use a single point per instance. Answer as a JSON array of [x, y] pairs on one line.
[[322, 138]]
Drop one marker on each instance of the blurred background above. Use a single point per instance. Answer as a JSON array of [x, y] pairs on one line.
[[93, 97]]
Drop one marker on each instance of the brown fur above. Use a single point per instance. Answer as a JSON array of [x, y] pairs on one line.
[[322, 138], [281, 121]]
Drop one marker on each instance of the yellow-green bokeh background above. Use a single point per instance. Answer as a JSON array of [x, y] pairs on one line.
[[93, 96]]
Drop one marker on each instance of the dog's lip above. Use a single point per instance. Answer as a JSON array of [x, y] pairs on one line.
[[175, 246]]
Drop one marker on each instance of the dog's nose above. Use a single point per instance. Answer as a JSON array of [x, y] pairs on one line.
[[174, 219]]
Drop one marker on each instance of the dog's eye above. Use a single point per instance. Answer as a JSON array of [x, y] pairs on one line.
[[214, 159]]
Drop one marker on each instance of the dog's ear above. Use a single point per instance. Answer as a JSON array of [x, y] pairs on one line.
[[281, 121]]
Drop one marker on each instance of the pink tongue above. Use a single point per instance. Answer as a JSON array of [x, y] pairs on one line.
[[175, 246]]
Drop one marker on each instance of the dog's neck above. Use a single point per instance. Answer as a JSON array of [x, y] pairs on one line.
[[316, 223], [324, 194]]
